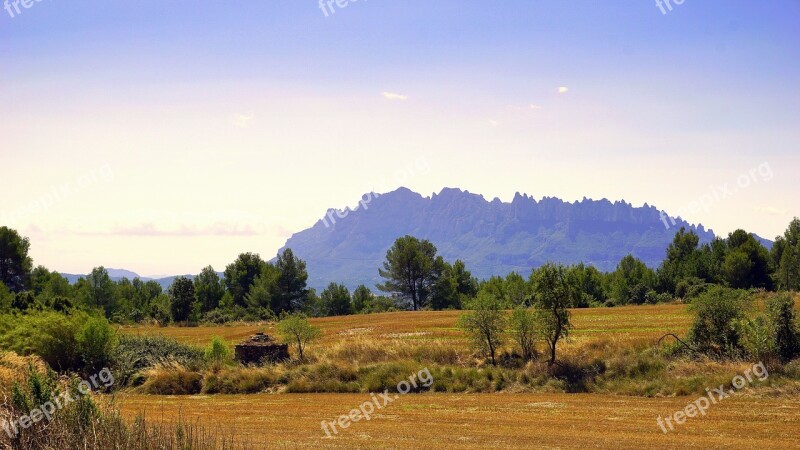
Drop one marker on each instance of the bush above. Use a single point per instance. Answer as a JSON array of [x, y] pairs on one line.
[[758, 337], [323, 378], [690, 288], [784, 324], [85, 425], [55, 337], [218, 352], [97, 341], [717, 313], [388, 376], [136, 353], [239, 380], [294, 329], [172, 380]]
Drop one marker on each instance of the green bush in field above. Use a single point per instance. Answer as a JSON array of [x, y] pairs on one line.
[[135, 353], [484, 325], [218, 353], [97, 341], [294, 329], [50, 335], [782, 315], [717, 312]]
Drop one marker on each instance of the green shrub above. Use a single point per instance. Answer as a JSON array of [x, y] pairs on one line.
[[174, 380], [96, 341], [52, 336], [717, 312], [784, 325], [136, 353], [758, 337], [218, 352], [239, 380]]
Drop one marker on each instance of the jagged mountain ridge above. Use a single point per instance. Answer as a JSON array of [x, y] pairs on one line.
[[492, 237]]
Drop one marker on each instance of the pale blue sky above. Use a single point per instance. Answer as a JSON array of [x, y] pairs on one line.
[[187, 132]]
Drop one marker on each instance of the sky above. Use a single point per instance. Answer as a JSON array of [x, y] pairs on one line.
[[162, 137]]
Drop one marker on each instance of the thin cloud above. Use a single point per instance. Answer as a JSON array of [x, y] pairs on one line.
[[154, 230], [392, 96], [771, 210], [563, 90], [242, 120], [494, 123], [532, 106]]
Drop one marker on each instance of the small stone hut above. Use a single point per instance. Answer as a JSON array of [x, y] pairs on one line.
[[261, 348]]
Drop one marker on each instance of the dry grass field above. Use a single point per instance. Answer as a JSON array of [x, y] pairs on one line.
[[480, 420], [484, 420], [627, 322]]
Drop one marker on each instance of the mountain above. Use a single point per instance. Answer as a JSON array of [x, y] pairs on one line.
[[492, 237], [118, 274]]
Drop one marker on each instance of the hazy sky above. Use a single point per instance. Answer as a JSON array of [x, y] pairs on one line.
[[165, 136]]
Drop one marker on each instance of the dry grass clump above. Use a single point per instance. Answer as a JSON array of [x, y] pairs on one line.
[[240, 380], [172, 379], [13, 369]]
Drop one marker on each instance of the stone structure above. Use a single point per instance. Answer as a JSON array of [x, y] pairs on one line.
[[261, 348]]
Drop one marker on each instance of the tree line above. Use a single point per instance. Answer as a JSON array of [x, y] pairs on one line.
[[415, 277]]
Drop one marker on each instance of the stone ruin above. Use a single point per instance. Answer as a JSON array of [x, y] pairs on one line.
[[261, 348]]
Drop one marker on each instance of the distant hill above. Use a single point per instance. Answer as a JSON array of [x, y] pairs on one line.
[[492, 237], [118, 274]]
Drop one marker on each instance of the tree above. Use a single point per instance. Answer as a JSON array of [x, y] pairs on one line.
[[682, 260], [516, 290], [444, 289], [361, 298], [484, 324], [97, 290], [240, 275], [409, 270], [291, 291], [47, 285], [552, 296], [264, 288], [588, 283], [295, 329], [522, 324], [466, 284], [631, 272], [15, 264], [785, 257], [746, 265], [209, 289], [336, 300], [182, 298]]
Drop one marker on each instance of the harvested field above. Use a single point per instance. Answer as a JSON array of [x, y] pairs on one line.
[[629, 322], [485, 420]]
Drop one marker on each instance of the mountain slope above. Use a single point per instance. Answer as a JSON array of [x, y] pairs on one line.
[[492, 237]]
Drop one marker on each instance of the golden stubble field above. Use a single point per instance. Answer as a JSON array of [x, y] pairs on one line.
[[628, 322], [484, 420], [505, 420]]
